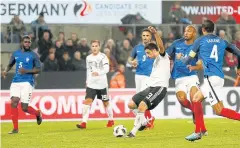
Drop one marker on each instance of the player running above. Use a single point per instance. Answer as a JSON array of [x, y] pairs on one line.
[[210, 48], [186, 79], [97, 84], [143, 66], [27, 64], [149, 98]]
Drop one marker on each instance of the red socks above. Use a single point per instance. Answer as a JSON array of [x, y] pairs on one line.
[[14, 114], [198, 112], [32, 111], [186, 103], [148, 114], [231, 114]]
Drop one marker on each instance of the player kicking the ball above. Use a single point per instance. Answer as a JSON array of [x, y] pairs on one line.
[[27, 64], [149, 98], [97, 84], [186, 79], [143, 66], [211, 48]]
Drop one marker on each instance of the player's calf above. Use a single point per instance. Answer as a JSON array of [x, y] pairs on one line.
[[85, 113], [14, 114], [109, 111], [182, 99]]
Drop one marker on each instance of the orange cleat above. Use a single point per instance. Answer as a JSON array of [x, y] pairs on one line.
[[110, 123], [83, 125]]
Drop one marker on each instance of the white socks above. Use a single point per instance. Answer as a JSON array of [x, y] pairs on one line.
[[139, 121], [109, 111], [85, 112], [135, 111]]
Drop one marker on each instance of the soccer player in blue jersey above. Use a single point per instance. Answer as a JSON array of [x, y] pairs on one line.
[[143, 66], [210, 48], [186, 79], [27, 64]]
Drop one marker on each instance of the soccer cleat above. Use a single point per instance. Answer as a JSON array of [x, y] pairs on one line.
[[14, 131], [130, 135], [110, 123], [143, 127], [83, 125], [150, 124], [204, 133], [194, 136], [39, 118]]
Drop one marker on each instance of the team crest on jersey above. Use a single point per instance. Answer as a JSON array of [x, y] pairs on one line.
[[27, 59]]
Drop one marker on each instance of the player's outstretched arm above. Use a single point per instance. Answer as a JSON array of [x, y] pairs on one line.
[[158, 39], [9, 66]]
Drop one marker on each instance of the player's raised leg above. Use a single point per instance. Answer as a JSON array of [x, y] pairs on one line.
[[148, 115], [26, 95]]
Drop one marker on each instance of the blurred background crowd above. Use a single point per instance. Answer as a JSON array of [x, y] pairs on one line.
[[65, 47]]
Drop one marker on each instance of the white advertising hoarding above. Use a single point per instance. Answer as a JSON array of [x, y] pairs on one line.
[[81, 11]]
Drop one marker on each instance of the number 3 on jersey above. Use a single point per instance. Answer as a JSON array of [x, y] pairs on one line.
[[214, 53]]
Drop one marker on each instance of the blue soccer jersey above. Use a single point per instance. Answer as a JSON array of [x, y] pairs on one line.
[[211, 49], [144, 63], [179, 68], [27, 60]]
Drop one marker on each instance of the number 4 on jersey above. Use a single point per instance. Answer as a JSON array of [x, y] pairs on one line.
[[214, 53]]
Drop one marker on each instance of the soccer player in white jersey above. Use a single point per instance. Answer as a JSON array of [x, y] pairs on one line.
[[97, 84], [149, 98], [143, 66]]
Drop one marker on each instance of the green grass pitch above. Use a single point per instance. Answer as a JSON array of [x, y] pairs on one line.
[[223, 133]]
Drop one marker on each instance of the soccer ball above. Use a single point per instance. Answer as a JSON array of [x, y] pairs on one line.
[[119, 131]]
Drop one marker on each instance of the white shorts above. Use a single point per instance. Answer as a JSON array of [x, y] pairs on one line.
[[22, 90], [212, 88], [186, 83], [141, 82]]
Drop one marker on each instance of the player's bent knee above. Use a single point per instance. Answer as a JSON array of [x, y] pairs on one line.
[[14, 102], [24, 107], [88, 101], [132, 105], [193, 91], [181, 96], [105, 103], [142, 106], [218, 108]]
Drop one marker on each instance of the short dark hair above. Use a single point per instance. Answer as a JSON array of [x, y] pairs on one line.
[[146, 30], [208, 25], [95, 41], [26, 37], [151, 46]]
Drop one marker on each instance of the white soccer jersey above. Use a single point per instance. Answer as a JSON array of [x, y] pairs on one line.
[[160, 74], [97, 63]]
